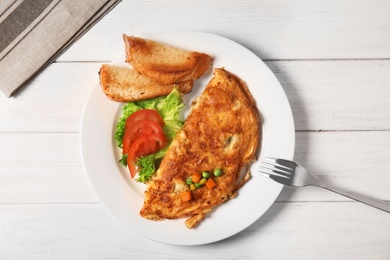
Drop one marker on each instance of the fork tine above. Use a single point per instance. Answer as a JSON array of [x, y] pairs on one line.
[[281, 180], [270, 174], [286, 163], [272, 166], [270, 171], [276, 163]]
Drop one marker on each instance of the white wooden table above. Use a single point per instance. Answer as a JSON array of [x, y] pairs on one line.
[[333, 61]]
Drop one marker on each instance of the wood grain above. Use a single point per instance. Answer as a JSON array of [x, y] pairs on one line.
[[43, 168], [283, 29], [47, 167], [324, 95], [337, 95], [338, 230], [332, 59]]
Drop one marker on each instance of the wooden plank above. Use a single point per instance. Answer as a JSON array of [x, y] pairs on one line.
[[356, 161], [43, 168], [52, 102], [298, 29], [49, 209], [299, 230], [324, 95], [337, 95], [47, 167]]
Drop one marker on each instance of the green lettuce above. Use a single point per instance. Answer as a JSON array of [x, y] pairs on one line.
[[169, 107], [148, 164]]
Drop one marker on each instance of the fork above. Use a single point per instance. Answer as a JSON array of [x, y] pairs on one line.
[[292, 174]]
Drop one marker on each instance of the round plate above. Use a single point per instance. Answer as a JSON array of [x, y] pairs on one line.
[[124, 197]]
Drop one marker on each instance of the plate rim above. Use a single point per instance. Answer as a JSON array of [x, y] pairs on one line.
[[278, 188]]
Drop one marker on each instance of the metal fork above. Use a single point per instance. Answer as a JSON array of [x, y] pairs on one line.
[[292, 174]]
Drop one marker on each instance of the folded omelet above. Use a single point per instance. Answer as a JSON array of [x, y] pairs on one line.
[[221, 133]]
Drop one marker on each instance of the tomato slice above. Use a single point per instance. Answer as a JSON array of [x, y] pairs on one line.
[[149, 114], [142, 146], [139, 128]]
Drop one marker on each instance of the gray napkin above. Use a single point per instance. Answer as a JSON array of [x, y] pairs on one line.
[[33, 33]]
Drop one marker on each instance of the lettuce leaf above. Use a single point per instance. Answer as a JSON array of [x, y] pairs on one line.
[[170, 106], [148, 165]]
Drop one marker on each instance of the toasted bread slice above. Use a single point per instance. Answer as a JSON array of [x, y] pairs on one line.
[[163, 63], [226, 139], [125, 84]]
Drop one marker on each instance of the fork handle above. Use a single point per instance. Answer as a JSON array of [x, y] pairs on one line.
[[379, 204]]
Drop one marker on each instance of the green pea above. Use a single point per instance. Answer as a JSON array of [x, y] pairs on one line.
[[217, 172], [189, 181], [197, 185], [205, 174]]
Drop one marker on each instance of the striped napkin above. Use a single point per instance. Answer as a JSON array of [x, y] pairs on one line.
[[33, 33]]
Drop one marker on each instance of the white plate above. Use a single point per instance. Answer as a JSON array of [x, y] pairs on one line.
[[124, 197]]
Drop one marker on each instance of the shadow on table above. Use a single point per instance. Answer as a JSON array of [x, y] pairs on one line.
[[298, 107]]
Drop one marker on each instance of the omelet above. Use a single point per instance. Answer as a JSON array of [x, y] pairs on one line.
[[221, 134]]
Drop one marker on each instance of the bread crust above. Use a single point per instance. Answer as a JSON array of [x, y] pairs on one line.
[[123, 84], [164, 63]]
